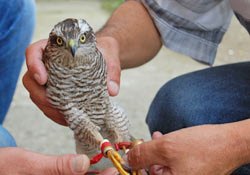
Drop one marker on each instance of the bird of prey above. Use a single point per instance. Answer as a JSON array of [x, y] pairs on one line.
[[77, 77]]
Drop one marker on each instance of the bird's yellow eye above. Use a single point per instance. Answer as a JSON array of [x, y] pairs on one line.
[[83, 38], [59, 41]]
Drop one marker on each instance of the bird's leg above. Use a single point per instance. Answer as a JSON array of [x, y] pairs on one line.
[[112, 128], [85, 131], [117, 123]]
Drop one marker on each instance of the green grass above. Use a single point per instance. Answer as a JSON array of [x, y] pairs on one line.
[[111, 5]]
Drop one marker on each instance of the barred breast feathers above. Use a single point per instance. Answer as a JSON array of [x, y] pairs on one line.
[[76, 86]]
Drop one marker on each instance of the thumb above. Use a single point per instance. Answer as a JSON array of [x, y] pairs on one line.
[[109, 171], [145, 155], [34, 61], [156, 135], [20, 160], [109, 48], [65, 164]]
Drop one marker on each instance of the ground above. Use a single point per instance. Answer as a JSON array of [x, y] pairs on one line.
[[33, 131]]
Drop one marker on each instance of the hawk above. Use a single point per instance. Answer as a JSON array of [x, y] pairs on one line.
[[76, 86]]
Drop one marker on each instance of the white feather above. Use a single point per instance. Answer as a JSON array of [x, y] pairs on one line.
[[84, 27]]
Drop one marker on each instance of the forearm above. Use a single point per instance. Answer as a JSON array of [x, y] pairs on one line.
[[133, 29], [241, 7], [240, 142]]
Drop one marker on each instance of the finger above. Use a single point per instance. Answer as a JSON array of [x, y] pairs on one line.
[[167, 171], [156, 135], [38, 96], [143, 172], [36, 91], [34, 61], [52, 114], [110, 51], [156, 170], [28, 162], [113, 80], [146, 154], [109, 171], [64, 164]]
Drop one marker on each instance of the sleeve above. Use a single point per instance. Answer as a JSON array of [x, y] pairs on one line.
[[191, 27]]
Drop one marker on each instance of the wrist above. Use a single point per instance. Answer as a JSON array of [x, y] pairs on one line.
[[239, 142], [109, 46], [107, 42]]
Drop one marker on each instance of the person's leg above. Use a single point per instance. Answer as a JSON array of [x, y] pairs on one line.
[[212, 96], [6, 140], [16, 30]]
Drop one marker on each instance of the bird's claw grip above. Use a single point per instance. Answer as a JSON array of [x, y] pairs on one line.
[[108, 152]]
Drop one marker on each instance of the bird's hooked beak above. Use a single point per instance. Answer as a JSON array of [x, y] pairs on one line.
[[72, 46]]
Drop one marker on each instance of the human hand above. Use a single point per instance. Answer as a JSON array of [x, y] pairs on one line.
[[36, 76], [109, 171], [17, 161], [206, 149], [109, 48]]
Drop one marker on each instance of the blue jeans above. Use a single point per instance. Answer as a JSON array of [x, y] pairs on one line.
[[16, 29], [6, 140], [211, 96]]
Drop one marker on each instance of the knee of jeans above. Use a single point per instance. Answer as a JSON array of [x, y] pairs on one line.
[[6, 139], [173, 107], [17, 27], [26, 23]]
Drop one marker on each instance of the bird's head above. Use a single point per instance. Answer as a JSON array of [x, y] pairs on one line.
[[73, 36]]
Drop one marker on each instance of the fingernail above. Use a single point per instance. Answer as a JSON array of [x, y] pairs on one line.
[[37, 78], [78, 163], [125, 158], [113, 86], [113, 172]]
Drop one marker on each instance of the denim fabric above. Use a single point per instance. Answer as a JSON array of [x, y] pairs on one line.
[[6, 140], [212, 96], [16, 29]]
